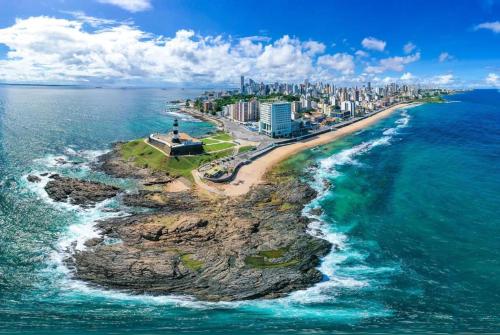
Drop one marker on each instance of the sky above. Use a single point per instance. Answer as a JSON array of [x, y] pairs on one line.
[[194, 43]]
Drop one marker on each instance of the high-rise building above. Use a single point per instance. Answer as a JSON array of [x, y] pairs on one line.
[[244, 111], [348, 106], [295, 106], [242, 84], [275, 119]]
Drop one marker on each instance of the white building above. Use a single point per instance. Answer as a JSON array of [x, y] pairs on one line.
[[242, 111], [275, 119], [296, 106], [305, 103], [348, 106]]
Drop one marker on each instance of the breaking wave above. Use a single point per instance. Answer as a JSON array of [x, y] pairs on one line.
[[335, 280]]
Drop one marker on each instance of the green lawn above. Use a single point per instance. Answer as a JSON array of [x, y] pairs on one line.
[[143, 155], [222, 137], [209, 140], [218, 146], [218, 141], [245, 148]]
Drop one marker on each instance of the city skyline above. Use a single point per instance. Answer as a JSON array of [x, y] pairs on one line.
[[153, 43]]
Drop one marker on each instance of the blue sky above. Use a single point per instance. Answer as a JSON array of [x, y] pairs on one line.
[[200, 43]]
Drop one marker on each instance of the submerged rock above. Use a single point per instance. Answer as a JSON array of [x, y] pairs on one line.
[[78, 192], [33, 179]]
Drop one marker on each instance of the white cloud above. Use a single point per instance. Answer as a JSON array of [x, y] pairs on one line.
[[493, 79], [285, 59], [444, 56], [90, 20], [444, 79], [314, 47], [341, 62], [407, 76], [361, 53], [393, 63], [409, 47], [388, 80], [46, 49], [372, 43], [130, 5], [493, 26]]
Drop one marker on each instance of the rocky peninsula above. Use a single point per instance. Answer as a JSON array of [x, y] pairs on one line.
[[215, 248]]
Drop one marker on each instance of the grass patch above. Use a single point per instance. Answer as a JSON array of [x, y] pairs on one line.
[[262, 259], [145, 156], [276, 253], [286, 207], [209, 140], [245, 148], [218, 146], [190, 263], [261, 262], [222, 137]]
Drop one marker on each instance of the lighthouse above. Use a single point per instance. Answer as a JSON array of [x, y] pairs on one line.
[[175, 132]]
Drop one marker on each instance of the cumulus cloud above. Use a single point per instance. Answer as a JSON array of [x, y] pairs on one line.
[[493, 79], [444, 79], [409, 47], [130, 5], [444, 56], [371, 43], [407, 76], [47, 49], [314, 47], [392, 63], [493, 26], [361, 53], [341, 62]]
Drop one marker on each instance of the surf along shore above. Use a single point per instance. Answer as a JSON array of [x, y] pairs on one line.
[[254, 173], [250, 241]]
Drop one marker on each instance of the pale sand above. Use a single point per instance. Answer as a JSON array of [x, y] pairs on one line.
[[178, 185], [253, 173]]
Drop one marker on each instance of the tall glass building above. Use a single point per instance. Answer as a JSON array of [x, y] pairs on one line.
[[275, 119]]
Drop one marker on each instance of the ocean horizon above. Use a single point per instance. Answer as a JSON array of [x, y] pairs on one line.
[[410, 205]]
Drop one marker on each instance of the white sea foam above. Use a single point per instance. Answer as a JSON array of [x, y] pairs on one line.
[[182, 116], [324, 291], [319, 227], [51, 161]]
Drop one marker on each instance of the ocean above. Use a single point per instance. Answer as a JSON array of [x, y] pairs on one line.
[[410, 204]]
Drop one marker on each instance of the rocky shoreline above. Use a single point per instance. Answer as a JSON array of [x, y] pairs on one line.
[[215, 249]]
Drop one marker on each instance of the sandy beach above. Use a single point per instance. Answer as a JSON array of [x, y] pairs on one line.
[[253, 173]]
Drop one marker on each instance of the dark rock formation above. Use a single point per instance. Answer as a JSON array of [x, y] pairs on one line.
[[78, 192], [33, 179], [222, 249], [158, 199]]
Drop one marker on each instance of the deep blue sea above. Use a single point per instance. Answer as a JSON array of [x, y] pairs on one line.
[[411, 203]]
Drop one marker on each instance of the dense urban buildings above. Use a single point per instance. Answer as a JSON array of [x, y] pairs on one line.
[[306, 105]]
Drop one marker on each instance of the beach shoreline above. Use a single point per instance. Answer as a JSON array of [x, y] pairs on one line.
[[254, 173]]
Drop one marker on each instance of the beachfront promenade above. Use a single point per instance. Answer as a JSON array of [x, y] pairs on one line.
[[233, 166]]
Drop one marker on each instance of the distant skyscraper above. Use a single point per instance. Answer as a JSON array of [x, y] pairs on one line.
[[242, 84]]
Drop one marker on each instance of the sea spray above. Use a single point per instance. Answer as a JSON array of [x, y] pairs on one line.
[[325, 291], [323, 182]]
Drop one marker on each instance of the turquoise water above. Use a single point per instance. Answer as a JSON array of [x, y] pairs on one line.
[[411, 204]]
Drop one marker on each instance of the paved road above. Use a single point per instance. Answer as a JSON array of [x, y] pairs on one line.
[[240, 132]]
